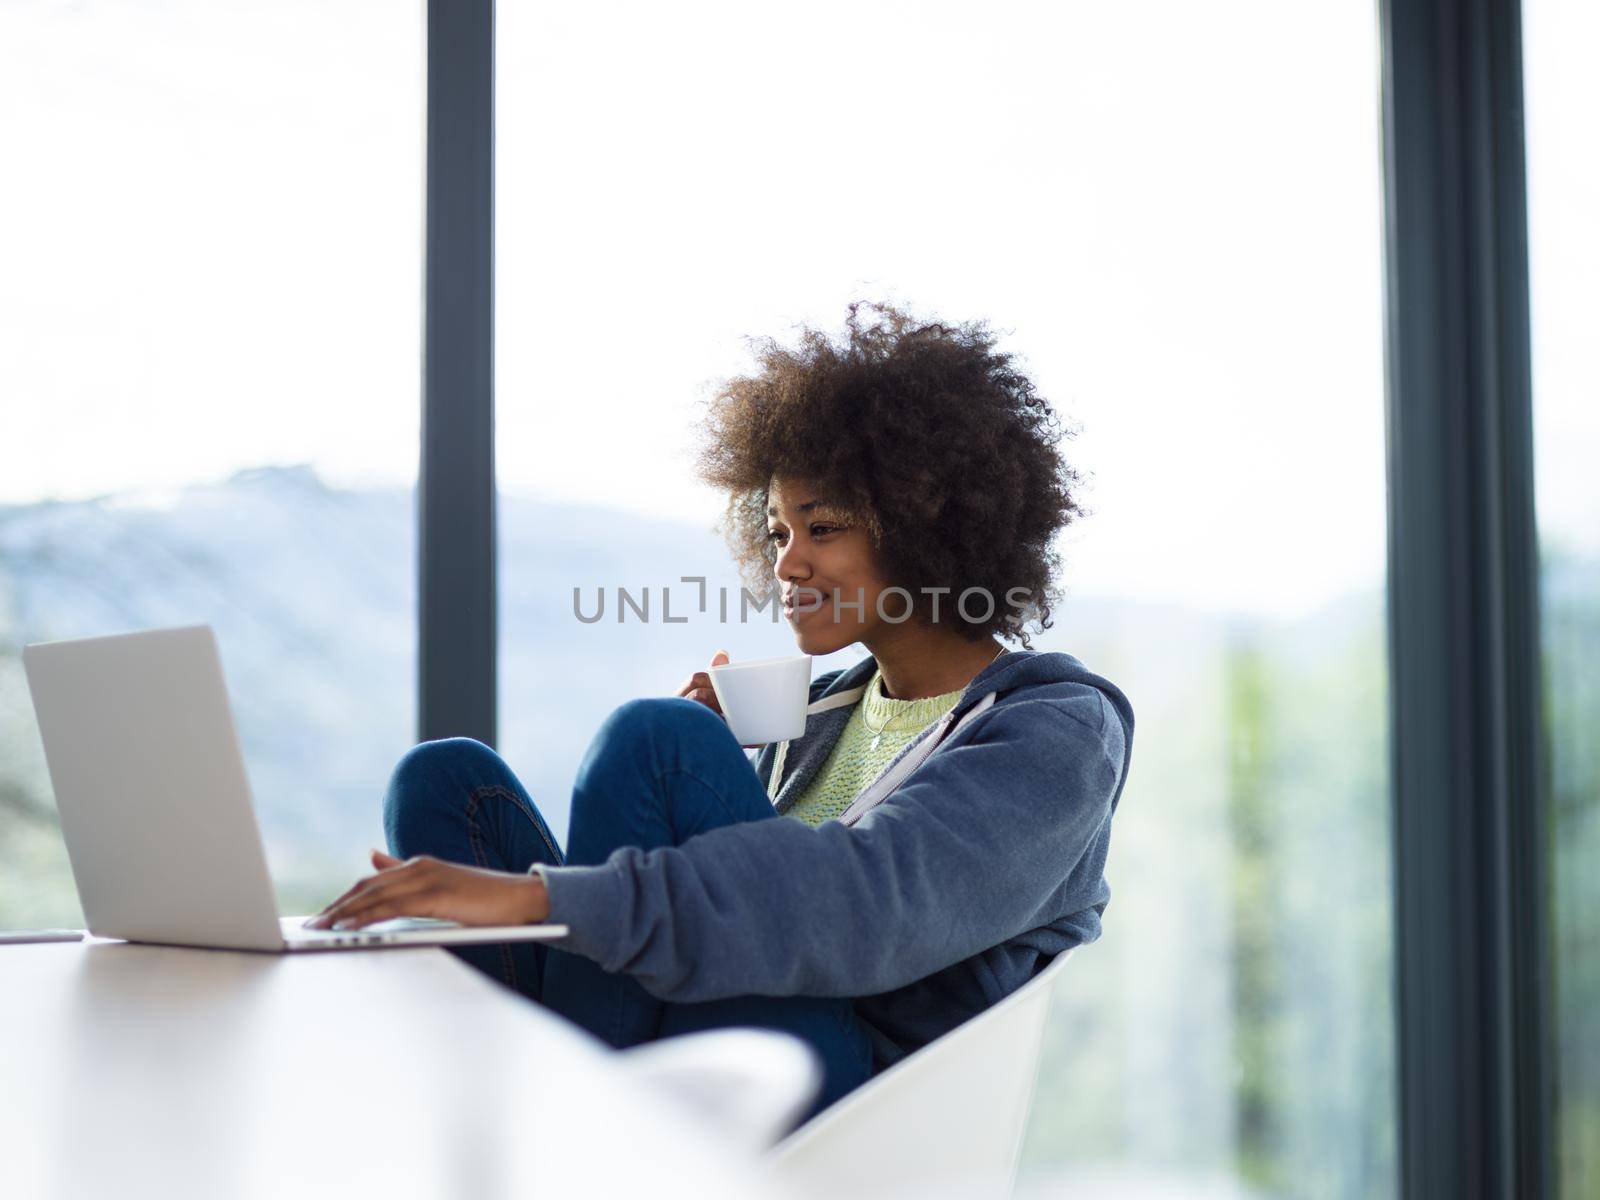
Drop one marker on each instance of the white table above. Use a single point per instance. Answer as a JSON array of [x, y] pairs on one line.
[[129, 1071]]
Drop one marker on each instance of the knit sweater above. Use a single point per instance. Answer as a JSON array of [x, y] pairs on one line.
[[878, 729]]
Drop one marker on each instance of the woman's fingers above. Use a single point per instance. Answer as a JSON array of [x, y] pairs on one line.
[[429, 887], [385, 878], [382, 861], [698, 680], [408, 892], [405, 906], [701, 680], [359, 885], [698, 688]]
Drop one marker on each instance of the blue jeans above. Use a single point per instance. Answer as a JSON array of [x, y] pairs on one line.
[[658, 772]]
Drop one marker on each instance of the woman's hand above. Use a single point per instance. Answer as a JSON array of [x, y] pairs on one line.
[[428, 887], [698, 688]]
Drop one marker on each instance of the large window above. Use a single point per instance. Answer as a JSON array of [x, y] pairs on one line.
[[1173, 213], [1563, 98], [209, 349]]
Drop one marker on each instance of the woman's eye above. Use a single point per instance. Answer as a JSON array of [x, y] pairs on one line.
[[774, 535]]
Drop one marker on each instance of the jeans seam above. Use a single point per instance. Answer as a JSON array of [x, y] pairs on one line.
[[505, 793], [715, 794], [475, 840]]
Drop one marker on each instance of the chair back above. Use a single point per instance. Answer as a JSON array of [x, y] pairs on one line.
[[950, 1115], [749, 1085]]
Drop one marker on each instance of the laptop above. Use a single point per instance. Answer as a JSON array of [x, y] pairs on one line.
[[156, 810]]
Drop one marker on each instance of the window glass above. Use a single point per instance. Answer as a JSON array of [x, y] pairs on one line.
[[1172, 213], [209, 391], [1561, 38]]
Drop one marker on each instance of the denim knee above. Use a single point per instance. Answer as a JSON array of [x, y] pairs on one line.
[[649, 716], [637, 738], [429, 777], [644, 730]]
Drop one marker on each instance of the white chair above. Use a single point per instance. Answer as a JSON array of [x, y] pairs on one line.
[[749, 1085], [945, 1121]]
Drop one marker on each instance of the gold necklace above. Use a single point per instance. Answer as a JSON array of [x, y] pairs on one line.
[[877, 734]]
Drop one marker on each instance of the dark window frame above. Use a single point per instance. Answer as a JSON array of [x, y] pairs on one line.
[[457, 605], [1469, 803]]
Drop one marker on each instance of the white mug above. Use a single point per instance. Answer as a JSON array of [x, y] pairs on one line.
[[765, 699]]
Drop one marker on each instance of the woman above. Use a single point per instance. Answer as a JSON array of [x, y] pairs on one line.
[[940, 831]]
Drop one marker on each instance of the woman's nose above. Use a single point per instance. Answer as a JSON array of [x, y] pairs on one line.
[[791, 564]]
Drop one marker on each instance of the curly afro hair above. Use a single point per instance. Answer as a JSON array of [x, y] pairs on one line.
[[920, 432]]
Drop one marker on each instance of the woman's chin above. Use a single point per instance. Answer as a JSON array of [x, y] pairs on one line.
[[818, 642], [805, 643]]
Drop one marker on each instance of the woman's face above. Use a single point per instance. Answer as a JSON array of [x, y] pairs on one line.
[[824, 567]]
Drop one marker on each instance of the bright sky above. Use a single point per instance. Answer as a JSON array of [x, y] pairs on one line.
[[1171, 209]]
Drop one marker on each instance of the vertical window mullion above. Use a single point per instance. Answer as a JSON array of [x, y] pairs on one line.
[[456, 595], [1469, 806]]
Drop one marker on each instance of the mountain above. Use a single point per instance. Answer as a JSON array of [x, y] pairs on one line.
[[312, 593]]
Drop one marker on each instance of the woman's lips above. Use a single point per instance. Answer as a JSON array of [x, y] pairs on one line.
[[803, 605]]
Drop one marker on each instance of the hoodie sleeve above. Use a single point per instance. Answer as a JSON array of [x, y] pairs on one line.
[[987, 835]]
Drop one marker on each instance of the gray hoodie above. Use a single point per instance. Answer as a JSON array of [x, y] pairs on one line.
[[975, 857]]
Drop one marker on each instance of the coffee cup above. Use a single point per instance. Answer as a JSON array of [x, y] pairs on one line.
[[765, 699]]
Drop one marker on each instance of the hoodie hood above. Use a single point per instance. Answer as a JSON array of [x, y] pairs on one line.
[[1014, 676], [1013, 671]]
